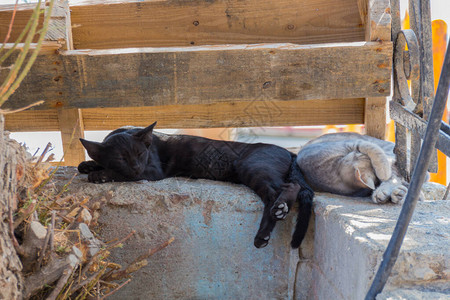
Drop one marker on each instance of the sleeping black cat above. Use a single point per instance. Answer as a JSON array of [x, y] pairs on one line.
[[132, 154]]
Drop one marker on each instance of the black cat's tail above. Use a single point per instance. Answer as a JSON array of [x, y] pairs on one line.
[[305, 198]]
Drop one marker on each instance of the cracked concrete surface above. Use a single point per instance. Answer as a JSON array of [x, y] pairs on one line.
[[213, 256]]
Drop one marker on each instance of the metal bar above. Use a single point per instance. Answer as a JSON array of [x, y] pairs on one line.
[[426, 57], [431, 136], [445, 128], [396, 26], [413, 122], [401, 149], [416, 143], [426, 61], [420, 21]]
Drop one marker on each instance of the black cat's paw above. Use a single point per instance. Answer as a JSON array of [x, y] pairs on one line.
[[279, 211], [261, 242], [87, 167], [98, 177]]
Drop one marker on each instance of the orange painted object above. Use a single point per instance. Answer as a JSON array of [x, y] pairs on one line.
[[391, 131], [439, 29], [353, 128], [330, 129]]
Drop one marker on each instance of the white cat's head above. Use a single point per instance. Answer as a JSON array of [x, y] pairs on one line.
[[357, 171]]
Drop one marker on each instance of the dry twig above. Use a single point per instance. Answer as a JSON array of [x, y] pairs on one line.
[[44, 248], [118, 288], [137, 264], [62, 281], [52, 237]]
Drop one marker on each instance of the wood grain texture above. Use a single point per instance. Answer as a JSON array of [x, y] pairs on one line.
[[122, 24], [72, 129], [375, 114], [212, 22], [377, 15], [97, 25], [60, 26], [377, 19], [233, 114], [205, 75], [23, 14]]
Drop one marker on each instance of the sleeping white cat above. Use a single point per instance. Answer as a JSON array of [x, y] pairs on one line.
[[353, 165]]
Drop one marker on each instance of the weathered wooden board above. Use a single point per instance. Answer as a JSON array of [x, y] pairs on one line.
[[97, 25], [375, 117], [204, 75], [376, 17], [72, 129], [234, 114], [20, 20]]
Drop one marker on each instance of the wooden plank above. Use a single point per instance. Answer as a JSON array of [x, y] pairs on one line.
[[200, 22], [32, 121], [60, 26], [377, 19], [70, 119], [377, 16], [100, 25], [205, 75], [21, 18], [48, 67], [71, 126], [233, 114], [375, 117]]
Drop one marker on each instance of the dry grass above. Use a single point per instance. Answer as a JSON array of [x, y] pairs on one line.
[[93, 276]]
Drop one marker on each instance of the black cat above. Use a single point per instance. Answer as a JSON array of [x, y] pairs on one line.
[[132, 154]]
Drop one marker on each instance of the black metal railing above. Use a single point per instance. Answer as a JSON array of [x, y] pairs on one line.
[[416, 115]]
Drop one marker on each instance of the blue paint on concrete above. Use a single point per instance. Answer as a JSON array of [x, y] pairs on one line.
[[226, 261]]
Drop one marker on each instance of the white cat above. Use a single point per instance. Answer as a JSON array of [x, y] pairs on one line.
[[353, 165]]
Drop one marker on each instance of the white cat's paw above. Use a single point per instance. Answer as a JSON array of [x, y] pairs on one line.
[[279, 211], [399, 194], [382, 194]]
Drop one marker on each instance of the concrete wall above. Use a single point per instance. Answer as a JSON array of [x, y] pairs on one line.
[[351, 235], [213, 256]]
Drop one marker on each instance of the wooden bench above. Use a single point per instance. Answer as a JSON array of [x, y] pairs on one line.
[[206, 63]]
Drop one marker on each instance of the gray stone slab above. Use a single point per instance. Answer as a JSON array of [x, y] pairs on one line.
[[213, 223], [213, 256], [351, 235]]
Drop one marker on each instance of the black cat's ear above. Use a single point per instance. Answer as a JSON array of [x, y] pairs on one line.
[[146, 135], [93, 148]]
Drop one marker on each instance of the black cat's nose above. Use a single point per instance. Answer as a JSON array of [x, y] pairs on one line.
[[136, 169]]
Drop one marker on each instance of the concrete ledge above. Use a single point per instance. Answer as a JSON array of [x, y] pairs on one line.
[[213, 223], [412, 295], [351, 235], [213, 256]]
